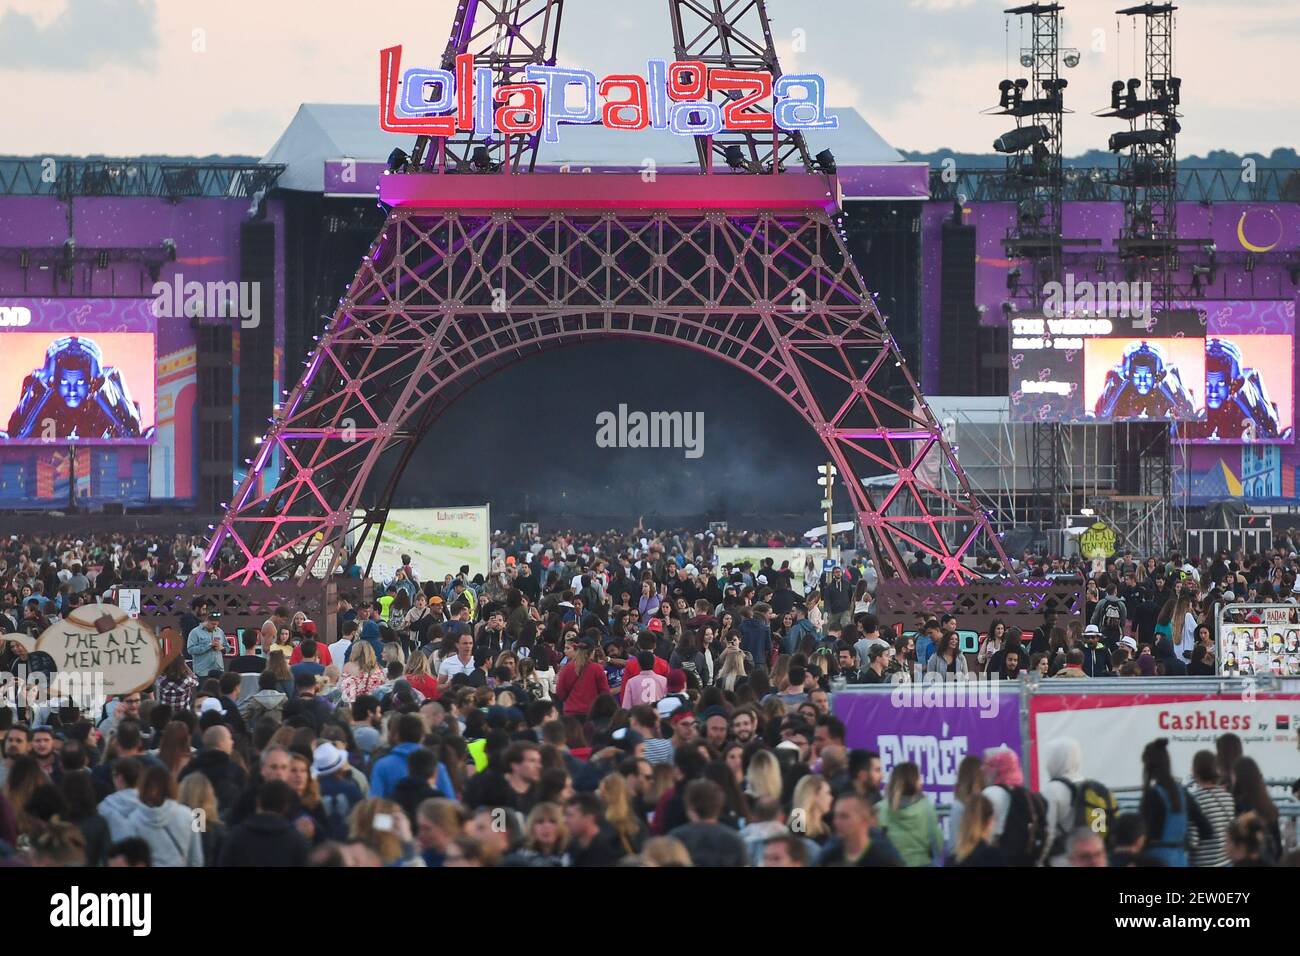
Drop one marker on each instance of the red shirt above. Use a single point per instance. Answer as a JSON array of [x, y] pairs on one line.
[[425, 684], [580, 691], [323, 655], [633, 667]]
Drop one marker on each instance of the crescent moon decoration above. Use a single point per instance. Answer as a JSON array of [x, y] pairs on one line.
[[1250, 246]]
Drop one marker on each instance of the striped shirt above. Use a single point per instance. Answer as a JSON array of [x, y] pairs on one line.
[[1216, 803], [658, 750]]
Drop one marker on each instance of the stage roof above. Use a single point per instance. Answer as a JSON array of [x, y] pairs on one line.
[[330, 131]]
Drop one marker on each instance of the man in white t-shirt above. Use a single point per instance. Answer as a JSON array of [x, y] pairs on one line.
[[462, 662], [339, 649]]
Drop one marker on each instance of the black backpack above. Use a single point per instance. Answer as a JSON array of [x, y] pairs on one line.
[[1024, 835]]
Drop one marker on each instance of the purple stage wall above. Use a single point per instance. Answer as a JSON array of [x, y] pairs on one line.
[[1264, 473], [206, 234]]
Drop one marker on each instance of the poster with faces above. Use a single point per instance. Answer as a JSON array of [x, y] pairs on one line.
[[1250, 650]]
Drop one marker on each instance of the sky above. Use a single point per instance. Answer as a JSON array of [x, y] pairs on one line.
[[196, 77]]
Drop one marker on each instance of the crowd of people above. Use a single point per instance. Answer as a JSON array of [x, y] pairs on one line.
[[613, 700]]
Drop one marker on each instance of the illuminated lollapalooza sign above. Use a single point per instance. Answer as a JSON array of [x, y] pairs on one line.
[[672, 96]]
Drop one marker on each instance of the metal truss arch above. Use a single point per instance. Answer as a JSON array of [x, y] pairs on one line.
[[446, 298]]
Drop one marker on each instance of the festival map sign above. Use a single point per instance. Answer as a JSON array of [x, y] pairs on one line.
[[439, 541]]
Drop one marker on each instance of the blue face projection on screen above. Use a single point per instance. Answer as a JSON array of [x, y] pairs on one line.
[[74, 395]]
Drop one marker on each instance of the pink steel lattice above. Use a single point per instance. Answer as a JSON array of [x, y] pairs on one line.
[[473, 272]]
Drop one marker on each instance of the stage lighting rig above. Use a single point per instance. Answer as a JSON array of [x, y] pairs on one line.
[[825, 161], [1021, 138], [398, 161], [735, 157]]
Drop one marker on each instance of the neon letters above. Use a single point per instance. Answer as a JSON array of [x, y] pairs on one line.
[[673, 96]]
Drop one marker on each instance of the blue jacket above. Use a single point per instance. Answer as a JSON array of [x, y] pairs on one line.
[[756, 638], [205, 659], [391, 768], [791, 642]]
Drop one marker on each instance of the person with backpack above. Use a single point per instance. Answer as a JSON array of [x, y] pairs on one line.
[[1021, 829], [1073, 802], [1111, 615], [1167, 808]]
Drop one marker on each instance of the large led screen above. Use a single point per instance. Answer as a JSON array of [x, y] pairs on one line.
[[1098, 368], [77, 371], [1249, 374]]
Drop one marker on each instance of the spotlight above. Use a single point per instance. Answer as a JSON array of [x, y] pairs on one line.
[[1021, 138], [101, 259], [1250, 262], [825, 161], [1027, 58], [735, 156], [398, 161], [1137, 137], [481, 159], [1070, 57], [1013, 279], [169, 249]]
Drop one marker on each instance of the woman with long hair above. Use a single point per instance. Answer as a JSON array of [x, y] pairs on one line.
[[1165, 619], [362, 673], [392, 839], [174, 750], [733, 755], [581, 681], [948, 660], [813, 609], [416, 621], [992, 643], [909, 818], [1227, 751], [648, 603], [277, 665], [25, 777], [731, 670], [79, 794], [1185, 618], [545, 837], [688, 657], [1166, 808], [312, 821], [810, 806], [763, 777], [629, 830], [970, 784], [163, 823], [1250, 795], [393, 654], [420, 677], [176, 685], [973, 845], [196, 793]]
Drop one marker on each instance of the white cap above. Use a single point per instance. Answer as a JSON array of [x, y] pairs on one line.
[[667, 706]]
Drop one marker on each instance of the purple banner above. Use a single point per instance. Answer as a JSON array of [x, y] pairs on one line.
[[931, 725]]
